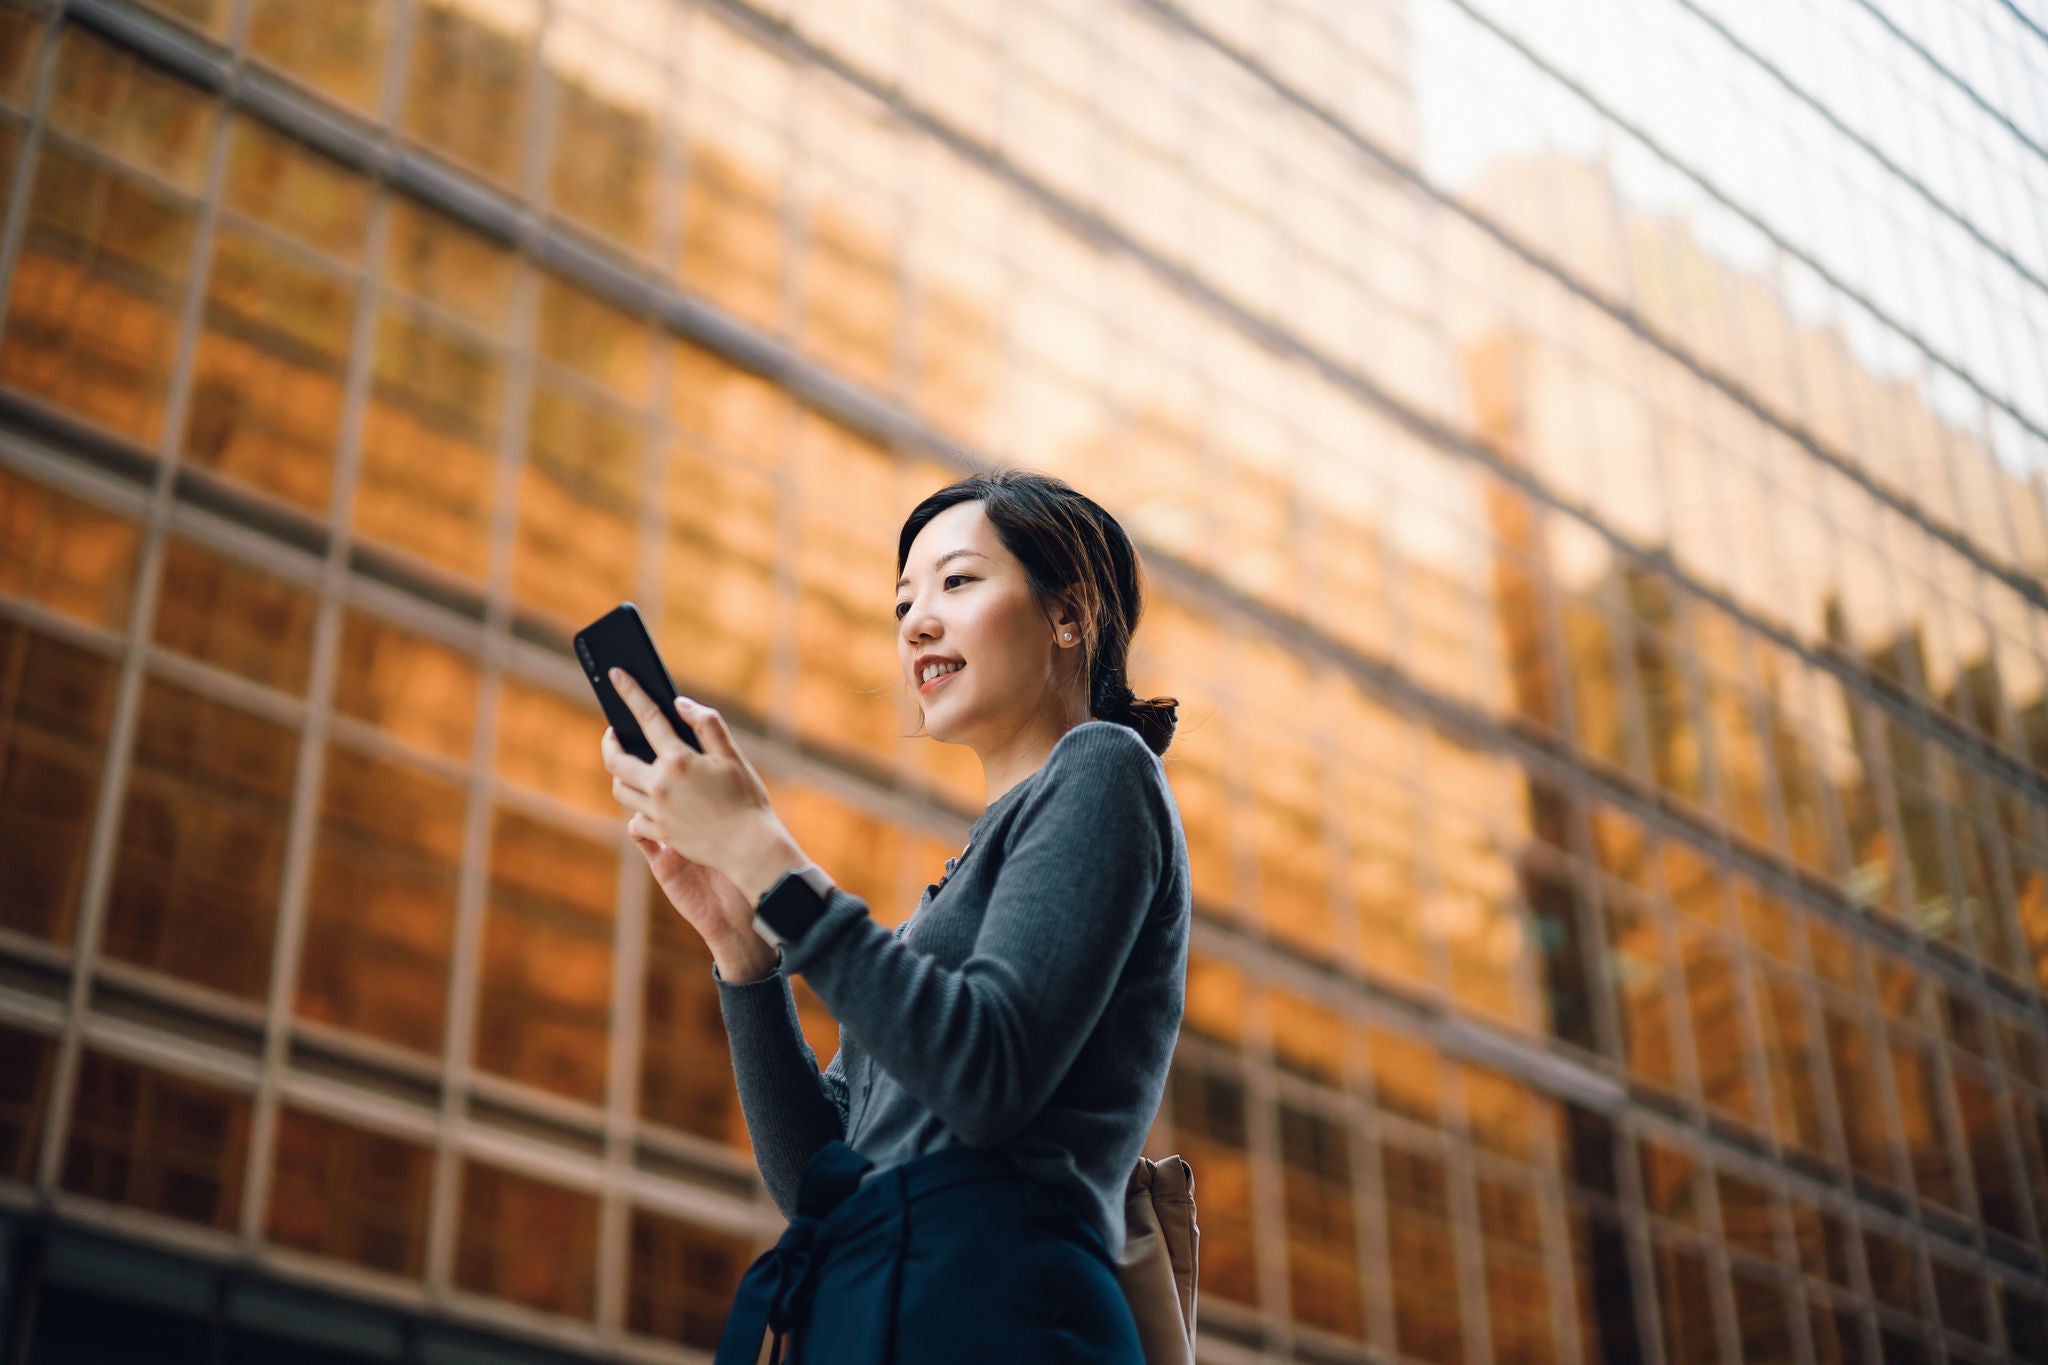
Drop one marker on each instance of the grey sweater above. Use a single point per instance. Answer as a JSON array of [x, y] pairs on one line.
[[1030, 1003]]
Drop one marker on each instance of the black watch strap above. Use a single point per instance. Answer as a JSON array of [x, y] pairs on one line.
[[792, 905]]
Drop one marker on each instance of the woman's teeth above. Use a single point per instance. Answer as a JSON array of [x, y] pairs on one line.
[[937, 671]]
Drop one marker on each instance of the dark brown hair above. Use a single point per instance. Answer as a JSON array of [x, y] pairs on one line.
[[1074, 553]]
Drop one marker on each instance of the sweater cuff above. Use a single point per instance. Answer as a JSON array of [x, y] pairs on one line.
[[842, 911]]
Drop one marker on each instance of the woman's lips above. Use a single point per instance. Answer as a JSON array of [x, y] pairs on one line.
[[935, 682]]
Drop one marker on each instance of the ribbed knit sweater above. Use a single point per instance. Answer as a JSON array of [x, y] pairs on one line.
[[1030, 1003]]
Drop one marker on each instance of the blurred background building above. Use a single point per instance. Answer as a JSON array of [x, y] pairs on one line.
[[1589, 462]]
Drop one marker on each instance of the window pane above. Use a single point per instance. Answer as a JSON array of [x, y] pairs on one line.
[[56, 702], [380, 907], [157, 1142], [350, 1193], [528, 1241], [847, 675], [579, 505], [112, 99], [583, 333], [1685, 1301], [718, 576], [92, 320], [65, 553], [210, 16], [470, 71], [1713, 993], [544, 1000], [1208, 1113], [683, 1279], [1517, 1295], [25, 1069], [551, 744], [286, 185], [21, 38], [201, 848], [1323, 1284], [737, 162], [439, 261], [686, 1078], [608, 100], [1426, 1320], [266, 383], [734, 411], [416, 689], [1308, 1038], [430, 441], [235, 617], [336, 46]]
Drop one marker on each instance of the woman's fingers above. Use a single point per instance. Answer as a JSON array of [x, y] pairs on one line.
[[620, 764], [710, 728], [660, 732]]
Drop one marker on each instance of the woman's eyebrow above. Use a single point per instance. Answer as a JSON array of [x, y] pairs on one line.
[[950, 554]]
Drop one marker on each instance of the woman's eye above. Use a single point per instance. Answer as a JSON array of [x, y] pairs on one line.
[[902, 607]]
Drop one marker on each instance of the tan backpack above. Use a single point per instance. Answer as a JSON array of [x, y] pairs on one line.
[[1157, 1267]]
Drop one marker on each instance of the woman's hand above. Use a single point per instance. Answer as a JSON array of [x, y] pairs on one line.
[[709, 903], [708, 809]]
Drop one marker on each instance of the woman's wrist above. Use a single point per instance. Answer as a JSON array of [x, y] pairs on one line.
[[746, 958], [761, 865]]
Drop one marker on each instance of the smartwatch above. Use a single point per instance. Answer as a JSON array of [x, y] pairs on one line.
[[792, 905]]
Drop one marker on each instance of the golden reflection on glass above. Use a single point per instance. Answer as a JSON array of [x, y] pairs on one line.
[[1670, 1182], [267, 375], [286, 185], [1713, 994], [1791, 1056], [544, 992], [1382, 832], [1768, 924], [1290, 845], [734, 411], [1215, 1006], [956, 336], [1474, 908], [857, 848], [428, 472], [1427, 1324], [526, 1240], [1209, 1128], [200, 855], [92, 317], [1308, 1038], [56, 706], [1517, 1290], [65, 554], [686, 1078], [414, 688], [26, 1067], [718, 599], [1918, 1086], [737, 163], [471, 68], [1999, 1193], [132, 110], [609, 92], [850, 275], [335, 46], [380, 906], [1407, 1077], [350, 1193], [235, 617], [576, 552], [1636, 962], [1505, 1117], [439, 261], [1323, 1284], [160, 1143], [583, 333], [1855, 1068], [553, 745], [847, 671], [682, 1278], [21, 39]]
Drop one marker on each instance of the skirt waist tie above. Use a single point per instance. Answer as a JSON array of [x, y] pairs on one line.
[[775, 1292]]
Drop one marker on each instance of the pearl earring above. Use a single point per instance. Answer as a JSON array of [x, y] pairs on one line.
[[1066, 635]]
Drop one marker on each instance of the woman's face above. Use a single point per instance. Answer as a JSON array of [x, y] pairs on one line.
[[966, 600]]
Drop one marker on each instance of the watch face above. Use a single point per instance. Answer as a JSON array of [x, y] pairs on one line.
[[792, 904]]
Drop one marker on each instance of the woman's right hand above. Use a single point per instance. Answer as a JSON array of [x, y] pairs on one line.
[[709, 903]]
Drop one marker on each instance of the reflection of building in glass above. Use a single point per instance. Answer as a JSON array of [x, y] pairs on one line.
[[1605, 610]]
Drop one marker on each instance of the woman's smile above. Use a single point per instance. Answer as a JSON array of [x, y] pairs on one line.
[[933, 684]]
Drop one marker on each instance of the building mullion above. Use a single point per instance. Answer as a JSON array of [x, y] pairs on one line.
[[303, 830], [127, 711]]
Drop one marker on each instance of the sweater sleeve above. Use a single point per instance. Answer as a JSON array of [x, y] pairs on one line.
[[984, 1045], [791, 1108]]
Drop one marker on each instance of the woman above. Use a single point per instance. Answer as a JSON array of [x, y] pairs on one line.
[[955, 1177]]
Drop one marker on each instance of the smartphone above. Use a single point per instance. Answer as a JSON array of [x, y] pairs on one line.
[[619, 639]]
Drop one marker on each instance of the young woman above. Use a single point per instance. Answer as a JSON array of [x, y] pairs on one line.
[[955, 1177]]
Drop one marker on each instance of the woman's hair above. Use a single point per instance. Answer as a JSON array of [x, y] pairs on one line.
[[1075, 554]]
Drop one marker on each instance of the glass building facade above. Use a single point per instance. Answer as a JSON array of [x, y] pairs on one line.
[[1589, 459]]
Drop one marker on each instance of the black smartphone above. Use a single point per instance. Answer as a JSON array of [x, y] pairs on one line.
[[619, 639]]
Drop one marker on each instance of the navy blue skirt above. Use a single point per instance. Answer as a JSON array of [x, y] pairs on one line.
[[956, 1256]]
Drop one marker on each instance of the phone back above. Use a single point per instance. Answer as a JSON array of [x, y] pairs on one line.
[[619, 639]]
